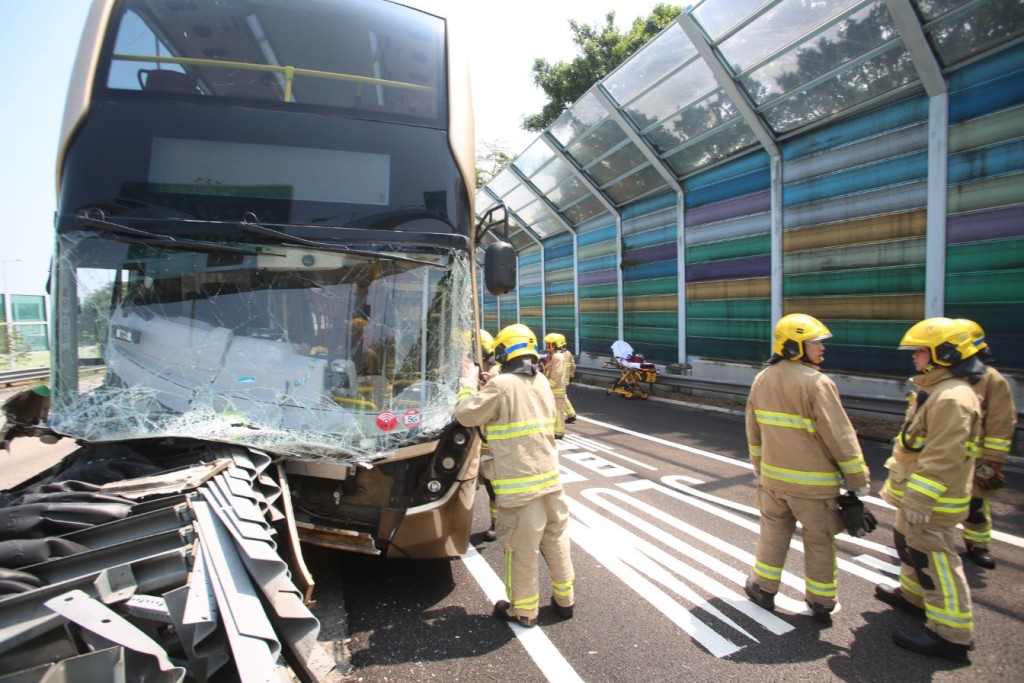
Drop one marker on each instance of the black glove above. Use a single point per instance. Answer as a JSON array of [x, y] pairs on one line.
[[856, 519]]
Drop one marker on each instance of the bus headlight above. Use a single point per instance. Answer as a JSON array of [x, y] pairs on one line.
[[448, 463], [460, 438], [434, 487]]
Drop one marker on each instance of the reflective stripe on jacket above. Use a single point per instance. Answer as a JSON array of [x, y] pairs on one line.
[[932, 463], [517, 413], [800, 439]]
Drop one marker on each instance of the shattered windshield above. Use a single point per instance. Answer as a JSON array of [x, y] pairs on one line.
[[299, 351]]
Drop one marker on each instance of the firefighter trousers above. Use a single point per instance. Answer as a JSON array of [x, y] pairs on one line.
[[978, 525], [539, 527], [559, 415], [821, 522], [932, 576]]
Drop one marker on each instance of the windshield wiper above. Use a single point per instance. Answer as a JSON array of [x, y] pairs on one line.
[[123, 233]]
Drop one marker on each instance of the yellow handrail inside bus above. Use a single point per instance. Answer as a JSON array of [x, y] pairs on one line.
[[357, 402], [289, 71]]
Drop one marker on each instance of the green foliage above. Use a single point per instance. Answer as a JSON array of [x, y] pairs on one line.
[[13, 347], [602, 48], [490, 163]]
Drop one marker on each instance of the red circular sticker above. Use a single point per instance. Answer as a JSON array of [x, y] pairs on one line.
[[411, 419], [387, 421]]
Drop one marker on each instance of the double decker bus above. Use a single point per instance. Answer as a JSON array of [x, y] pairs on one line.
[[265, 238]]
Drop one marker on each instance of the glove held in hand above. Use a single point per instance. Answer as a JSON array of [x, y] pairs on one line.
[[856, 519]]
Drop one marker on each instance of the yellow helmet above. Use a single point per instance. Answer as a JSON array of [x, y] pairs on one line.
[[486, 343], [554, 340], [513, 341], [948, 341], [976, 332], [793, 330]]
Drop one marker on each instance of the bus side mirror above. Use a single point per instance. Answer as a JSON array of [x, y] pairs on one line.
[[500, 268]]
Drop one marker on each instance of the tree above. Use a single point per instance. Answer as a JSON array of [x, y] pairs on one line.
[[490, 163], [601, 50]]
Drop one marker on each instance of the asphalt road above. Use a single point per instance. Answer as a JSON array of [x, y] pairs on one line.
[[663, 535]]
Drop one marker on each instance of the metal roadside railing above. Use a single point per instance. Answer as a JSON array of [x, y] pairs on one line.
[[9, 377], [682, 387]]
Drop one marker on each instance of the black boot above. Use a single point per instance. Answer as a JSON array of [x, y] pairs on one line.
[[927, 642], [563, 612], [981, 557], [820, 614], [491, 534], [762, 598], [894, 597], [501, 609]]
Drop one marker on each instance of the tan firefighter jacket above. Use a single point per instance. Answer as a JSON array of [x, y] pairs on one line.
[[570, 365], [998, 415], [932, 463], [555, 371], [801, 441], [517, 413]]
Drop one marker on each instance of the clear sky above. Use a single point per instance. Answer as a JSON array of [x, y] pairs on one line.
[[40, 40]]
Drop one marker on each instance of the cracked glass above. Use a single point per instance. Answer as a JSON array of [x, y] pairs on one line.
[[337, 353]]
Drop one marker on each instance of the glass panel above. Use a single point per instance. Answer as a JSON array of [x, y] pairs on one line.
[[689, 84], [30, 339], [723, 143], [585, 210], [616, 164], [778, 26], [29, 308], [873, 78], [535, 156], [502, 183], [643, 182], [295, 350], [518, 198], [381, 59], [532, 213], [693, 122], [484, 201], [654, 60], [567, 192], [603, 138], [850, 38], [718, 16], [932, 9], [521, 240], [578, 119], [981, 29], [551, 175]]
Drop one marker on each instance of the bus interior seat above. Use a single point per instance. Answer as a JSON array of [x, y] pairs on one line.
[[165, 80]]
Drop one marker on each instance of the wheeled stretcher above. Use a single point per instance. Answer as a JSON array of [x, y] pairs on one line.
[[634, 370]]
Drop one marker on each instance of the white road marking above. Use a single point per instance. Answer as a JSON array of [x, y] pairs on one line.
[[671, 444], [590, 444], [597, 464], [628, 545], [596, 545], [552, 664]]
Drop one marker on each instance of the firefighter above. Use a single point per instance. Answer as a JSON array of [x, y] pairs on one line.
[[554, 368], [929, 482], [998, 422], [486, 471], [516, 409], [570, 375], [803, 447]]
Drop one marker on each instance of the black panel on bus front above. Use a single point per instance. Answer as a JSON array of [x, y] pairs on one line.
[[136, 159]]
